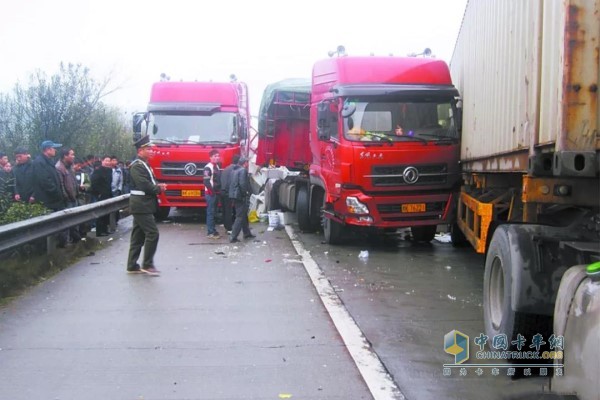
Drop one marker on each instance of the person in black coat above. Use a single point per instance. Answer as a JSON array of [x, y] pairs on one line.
[[226, 202], [239, 192], [23, 172], [101, 189], [46, 181]]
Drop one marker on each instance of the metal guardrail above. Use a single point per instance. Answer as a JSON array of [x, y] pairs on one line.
[[22, 232]]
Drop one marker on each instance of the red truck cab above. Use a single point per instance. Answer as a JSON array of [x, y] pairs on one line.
[[385, 144], [373, 142], [283, 125], [185, 121]]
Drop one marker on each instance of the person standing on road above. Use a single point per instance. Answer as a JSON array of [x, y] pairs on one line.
[[212, 178], [101, 189], [23, 176], [117, 177], [64, 166], [226, 202], [46, 180], [239, 191], [117, 182], [8, 181], [3, 162], [47, 187], [142, 205]]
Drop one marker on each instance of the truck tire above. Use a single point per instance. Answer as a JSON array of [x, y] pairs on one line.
[[498, 314], [332, 231], [162, 213], [302, 209], [316, 202], [423, 233]]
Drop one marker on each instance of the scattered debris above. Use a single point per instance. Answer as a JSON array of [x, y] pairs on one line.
[[443, 237]]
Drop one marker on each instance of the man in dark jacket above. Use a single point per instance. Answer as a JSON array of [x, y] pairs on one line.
[[212, 188], [226, 202], [23, 176], [64, 166], [239, 192], [67, 177], [46, 181], [142, 205], [101, 189]]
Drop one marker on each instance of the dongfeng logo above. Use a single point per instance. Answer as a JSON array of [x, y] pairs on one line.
[[190, 169], [410, 175]]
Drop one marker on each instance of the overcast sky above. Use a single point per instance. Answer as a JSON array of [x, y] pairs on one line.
[[261, 41]]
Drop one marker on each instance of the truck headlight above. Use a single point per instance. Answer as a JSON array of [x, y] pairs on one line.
[[356, 207]]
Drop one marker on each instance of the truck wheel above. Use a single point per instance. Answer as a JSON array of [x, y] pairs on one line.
[[316, 202], [498, 314], [302, 209], [423, 233], [162, 213], [332, 231]]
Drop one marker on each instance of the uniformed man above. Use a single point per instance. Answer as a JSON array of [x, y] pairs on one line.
[[142, 205]]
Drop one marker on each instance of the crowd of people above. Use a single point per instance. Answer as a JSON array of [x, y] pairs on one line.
[[58, 179], [230, 186]]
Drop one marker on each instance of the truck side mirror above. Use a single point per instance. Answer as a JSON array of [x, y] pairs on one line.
[[243, 129], [323, 121], [236, 129], [348, 109], [459, 115], [138, 118]]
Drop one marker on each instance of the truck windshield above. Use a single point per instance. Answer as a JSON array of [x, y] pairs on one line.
[[193, 128], [401, 121]]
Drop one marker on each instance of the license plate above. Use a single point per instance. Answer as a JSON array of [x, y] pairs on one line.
[[413, 208], [190, 193]]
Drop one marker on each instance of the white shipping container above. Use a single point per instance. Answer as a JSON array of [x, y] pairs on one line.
[[528, 74]]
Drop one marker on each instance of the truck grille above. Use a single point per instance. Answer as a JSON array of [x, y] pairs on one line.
[[179, 168], [392, 175]]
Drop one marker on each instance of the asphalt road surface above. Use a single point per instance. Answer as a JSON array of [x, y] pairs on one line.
[[245, 321], [405, 297]]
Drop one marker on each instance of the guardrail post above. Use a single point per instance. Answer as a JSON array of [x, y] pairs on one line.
[[112, 224], [51, 244]]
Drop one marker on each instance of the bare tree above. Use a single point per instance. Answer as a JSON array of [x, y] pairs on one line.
[[67, 108]]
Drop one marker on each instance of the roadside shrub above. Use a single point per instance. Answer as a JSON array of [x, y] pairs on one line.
[[18, 211]]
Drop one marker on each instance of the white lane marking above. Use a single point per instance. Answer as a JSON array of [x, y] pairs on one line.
[[379, 381]]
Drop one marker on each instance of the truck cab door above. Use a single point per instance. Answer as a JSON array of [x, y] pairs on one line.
[[328, 133]]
